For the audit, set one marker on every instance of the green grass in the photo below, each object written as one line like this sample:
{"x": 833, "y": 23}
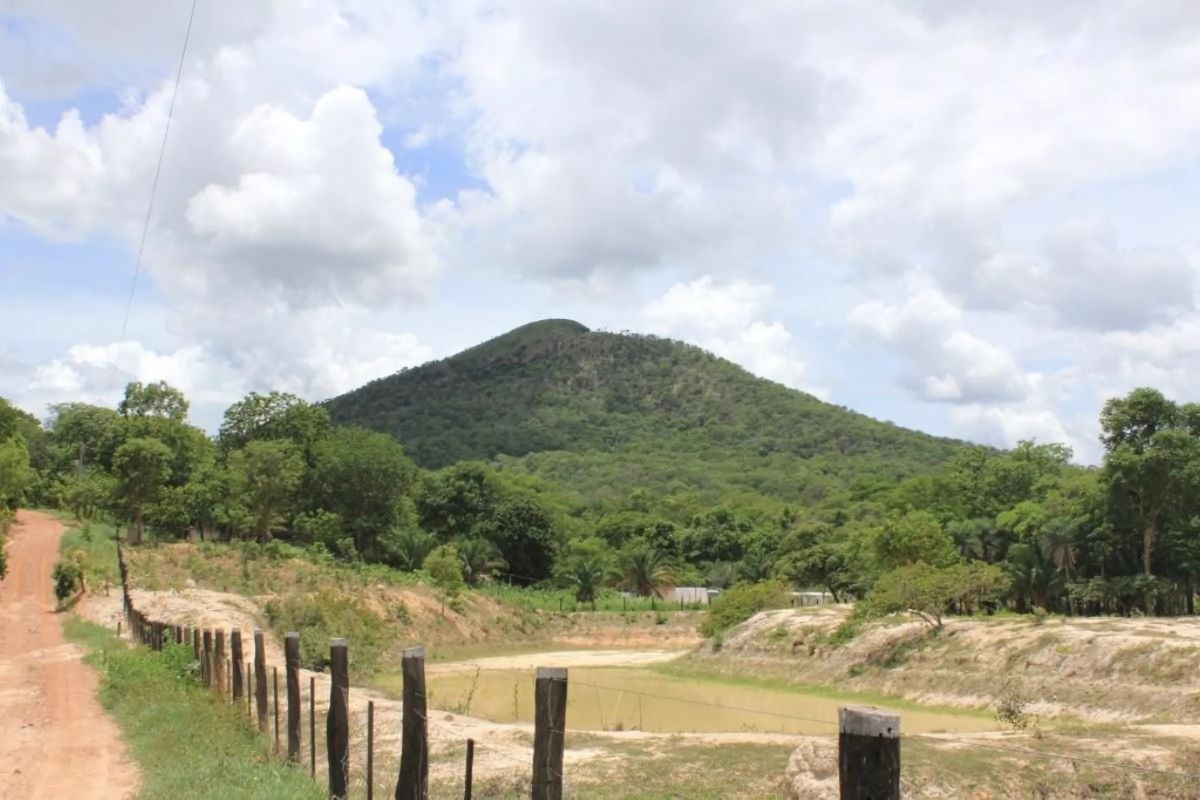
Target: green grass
{"x": 564, "y": 600}
{"x": 99, "y": 548}
{"x": 186, "y": 743}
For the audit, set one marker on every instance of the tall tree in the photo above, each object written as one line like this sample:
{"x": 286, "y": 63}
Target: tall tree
{"x": 268, "y": 474}
{"x": 362, "y": 476}
{"x": 153, "y": 400}
{"x": 277, "y": 415}
{"x": 1152, "y": 467}
{"x": 142, "y": 467}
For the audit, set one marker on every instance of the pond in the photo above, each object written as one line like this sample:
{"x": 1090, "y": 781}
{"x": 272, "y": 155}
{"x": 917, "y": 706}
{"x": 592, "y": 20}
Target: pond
{"x": 605, "y": 698}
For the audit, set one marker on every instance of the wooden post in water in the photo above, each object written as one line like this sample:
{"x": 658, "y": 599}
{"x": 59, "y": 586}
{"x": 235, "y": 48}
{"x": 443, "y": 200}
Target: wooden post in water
{"x": 868, "y": 753}
{"x": 470, "y": 769}
{"x": 337, "y": 721}
{"x": 413, "y": 783}
{"x": 370, "y": 750}
{"x": 549, "y": 726}
{"x": 219, "y": 662}
{"x": 235, "y": 655}
{"x": 206, "y": 658}
{"x": 260, "y": 679}
{"x": 291, "y": 657}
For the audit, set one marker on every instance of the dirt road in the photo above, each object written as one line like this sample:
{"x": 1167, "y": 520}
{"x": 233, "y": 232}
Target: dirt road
{"x": 55, "y": 740}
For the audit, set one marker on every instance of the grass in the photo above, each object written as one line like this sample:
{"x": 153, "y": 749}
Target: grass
{"x": 564, "y": 600}
{"x": 99, "y": 549}
{"x": 185, "y": 741}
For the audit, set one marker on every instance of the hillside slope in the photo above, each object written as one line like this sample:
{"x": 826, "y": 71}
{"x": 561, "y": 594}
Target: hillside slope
{"x": 636, "y": 410}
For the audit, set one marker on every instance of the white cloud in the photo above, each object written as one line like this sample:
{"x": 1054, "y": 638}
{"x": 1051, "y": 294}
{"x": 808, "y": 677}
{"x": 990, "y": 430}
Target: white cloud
{"x": 945, "y": 361}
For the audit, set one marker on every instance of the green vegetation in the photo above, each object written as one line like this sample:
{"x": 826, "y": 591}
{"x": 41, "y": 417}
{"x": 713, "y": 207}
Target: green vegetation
{"x": 598, "y": 460}
{"x": 186, "y": 742}
{"x": 741, "y": 602}
{"x": 326, "y": 615}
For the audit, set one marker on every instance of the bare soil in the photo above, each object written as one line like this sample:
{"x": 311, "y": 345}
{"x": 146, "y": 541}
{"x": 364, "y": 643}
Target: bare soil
{"x": 55, "y": 741}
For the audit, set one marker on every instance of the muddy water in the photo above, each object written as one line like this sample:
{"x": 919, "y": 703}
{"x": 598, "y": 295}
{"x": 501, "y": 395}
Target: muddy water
{"x": 640, "y": 699}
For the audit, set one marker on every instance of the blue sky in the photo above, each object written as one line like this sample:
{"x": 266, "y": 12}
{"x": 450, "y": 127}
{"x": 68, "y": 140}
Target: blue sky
{"x": 973, "y": 219}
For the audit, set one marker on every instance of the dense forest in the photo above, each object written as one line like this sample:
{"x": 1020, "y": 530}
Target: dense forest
{"x": 554, "y": 455}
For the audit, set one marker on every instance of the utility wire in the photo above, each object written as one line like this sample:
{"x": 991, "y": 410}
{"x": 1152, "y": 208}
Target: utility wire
{"x": 137, "y": 266}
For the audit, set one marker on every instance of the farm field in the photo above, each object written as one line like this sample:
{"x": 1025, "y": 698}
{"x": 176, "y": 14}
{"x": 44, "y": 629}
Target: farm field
{"x": 733, "y": 719}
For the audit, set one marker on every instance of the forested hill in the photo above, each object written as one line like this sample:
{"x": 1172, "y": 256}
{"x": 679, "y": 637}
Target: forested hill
{"x": 624, "y": 410}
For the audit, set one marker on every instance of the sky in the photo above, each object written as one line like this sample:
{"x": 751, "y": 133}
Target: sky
{"x": 976, "y": 219}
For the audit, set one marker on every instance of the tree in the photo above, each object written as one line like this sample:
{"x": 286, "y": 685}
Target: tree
{"x": 481, "y": 559}
{"x": 928, "y": 591}
{"x": 15, "y": 473}
{"x": 267, "y": 474}
{"x": 362, "y": 476}
{"x": 452, "y": 502}
{"x": 645, "y": 571}
{"x": 585, "y": 568}
{"x": 277, "y": 415}
{"x": 524, "y": 533}
{"x": 408, "y": 546}
{"x": 445, "y": 566}
{"x": 915, "y": 536}
{"x": 142, "y": 467}
{"x": 153, "y": 400}
{"x": 1152, "y": 465}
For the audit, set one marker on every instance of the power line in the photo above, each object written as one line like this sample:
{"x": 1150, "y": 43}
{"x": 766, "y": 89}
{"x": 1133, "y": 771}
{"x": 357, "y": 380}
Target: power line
{"x": 137, "y": 266}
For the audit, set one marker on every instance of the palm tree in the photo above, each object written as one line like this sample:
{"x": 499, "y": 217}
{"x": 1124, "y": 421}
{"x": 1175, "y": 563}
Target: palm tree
{"x": 646, "y": 571}
{"x": 409, "y": 547}
{"x": 585, "y": 569}
{"x": 481, "y": 559}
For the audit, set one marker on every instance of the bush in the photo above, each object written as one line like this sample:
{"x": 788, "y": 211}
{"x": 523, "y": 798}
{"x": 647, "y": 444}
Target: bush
{"x": 324, "y": 616}
{"x": 740, "y": 603}
{"x": 67, "y": 575}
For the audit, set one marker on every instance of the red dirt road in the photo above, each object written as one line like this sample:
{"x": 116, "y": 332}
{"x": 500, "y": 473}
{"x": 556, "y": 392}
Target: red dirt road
{"x": 55, "y": 740}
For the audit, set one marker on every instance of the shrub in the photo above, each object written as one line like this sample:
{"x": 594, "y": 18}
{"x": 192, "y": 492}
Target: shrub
{"x": 67, "y": 575}
{"x": 324, "y": 616}
{"x": 740, "y": 603}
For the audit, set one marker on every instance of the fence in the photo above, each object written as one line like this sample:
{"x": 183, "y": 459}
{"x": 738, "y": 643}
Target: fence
{"x": 869, "y": 739}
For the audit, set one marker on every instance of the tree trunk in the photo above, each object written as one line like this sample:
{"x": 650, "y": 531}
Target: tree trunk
{"x": 1148, "y": 536}
{"x": 135, "y": 530}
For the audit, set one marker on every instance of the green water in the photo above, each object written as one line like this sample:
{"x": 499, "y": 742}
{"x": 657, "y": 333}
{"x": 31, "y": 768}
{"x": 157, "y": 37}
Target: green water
{"x": 608, "y": 698}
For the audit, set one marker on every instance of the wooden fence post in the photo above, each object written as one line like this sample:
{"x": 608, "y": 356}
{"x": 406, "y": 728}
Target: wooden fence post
{"x": 196, "y": 644}
{"x": 470, "y": 769}
{"x": 235, "y": 655}
{"x": 249, "y": 694}
{"x": 275, "y": 689}
{"x": 549, "y": 725}
{"x": 206, "y": 661}
{"x": 337, "y": 721}
{"x": 413, "y": 783}
{"x": 291, "y": 662}
{"x": 370, "y": 750}
{"x": 868, "y": 754}
{"x": 219, "y": 662}
{"x": 260, "y": 679}
{"x": 312, "y": 726}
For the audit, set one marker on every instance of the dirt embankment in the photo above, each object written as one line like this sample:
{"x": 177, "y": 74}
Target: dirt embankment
{"x": 1098, "y": 669}
{"x": 55, "y": 740}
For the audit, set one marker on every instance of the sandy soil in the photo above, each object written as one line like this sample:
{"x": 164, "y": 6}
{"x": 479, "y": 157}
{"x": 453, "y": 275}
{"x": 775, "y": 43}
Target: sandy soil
{"x": 56, "y": 741}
